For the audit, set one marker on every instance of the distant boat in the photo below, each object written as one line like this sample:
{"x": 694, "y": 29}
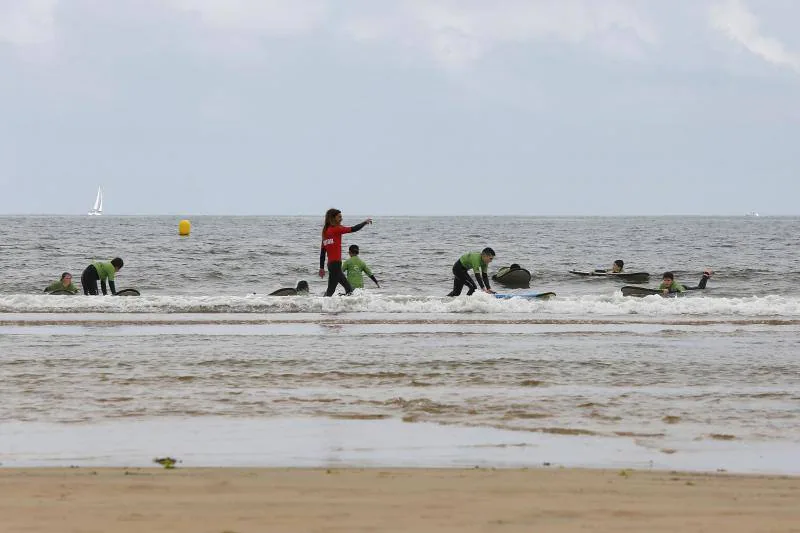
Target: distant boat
{"x": 98, "y": 203}
{"x": 752, "y": 214}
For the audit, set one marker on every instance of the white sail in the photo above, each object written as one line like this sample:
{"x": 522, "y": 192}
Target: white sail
{"x": 97, "y": 209}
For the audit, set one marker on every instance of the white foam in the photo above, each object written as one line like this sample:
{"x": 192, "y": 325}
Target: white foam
{"x": 363, "y": 302}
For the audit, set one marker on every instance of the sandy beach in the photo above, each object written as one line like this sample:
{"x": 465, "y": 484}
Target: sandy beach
{"x": 227, "y": 500}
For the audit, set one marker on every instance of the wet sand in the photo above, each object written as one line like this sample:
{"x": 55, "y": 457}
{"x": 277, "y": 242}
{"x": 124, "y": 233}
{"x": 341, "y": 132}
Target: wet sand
{"x": 234, "y": 500}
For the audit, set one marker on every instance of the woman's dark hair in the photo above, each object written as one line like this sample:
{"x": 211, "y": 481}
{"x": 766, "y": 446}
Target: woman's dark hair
{"x": 64, "y": 275}
{"x": 354, "y": 249}
{"x": 330, "y": 215}
{"x": 488, "y": 251}
{"x": 668, "y": 275}
{"x": 619, "y": 262}
{"x": 117, "y": 262}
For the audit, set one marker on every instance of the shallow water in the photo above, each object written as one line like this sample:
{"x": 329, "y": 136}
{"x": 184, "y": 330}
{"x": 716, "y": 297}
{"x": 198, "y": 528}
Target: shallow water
{"x": 313, "y": 442}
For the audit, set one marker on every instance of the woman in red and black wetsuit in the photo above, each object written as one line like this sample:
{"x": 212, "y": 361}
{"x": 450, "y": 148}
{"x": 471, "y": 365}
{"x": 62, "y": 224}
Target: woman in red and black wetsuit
{"x": 332, "y": 245}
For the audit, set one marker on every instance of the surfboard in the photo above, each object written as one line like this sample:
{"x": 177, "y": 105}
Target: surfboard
{"x": 286, "y": 291}
{"x": 628, "y": 290}
{"x": 527, "y": 295}
{"x": 300, "y": 290}
{"x": 640, "y": 292}
{"x": 588, "y": 273}
{"x": 630, "y": 277}
{"x": 128, "y": 292}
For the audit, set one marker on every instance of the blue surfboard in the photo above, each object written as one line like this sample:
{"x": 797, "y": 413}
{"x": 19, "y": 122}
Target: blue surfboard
{"x": 527, "y": 295}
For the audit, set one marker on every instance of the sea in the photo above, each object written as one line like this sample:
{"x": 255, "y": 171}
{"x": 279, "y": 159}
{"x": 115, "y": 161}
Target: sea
{"x": 208, "y": 368}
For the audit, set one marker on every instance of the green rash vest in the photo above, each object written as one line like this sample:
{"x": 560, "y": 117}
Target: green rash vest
{"x": 59, "y": 286}
{"x": 675, "y": 287}
{"x": 353, "y": 268}
{"x": 472, "y": 260}
{"x": 105, "y": 271}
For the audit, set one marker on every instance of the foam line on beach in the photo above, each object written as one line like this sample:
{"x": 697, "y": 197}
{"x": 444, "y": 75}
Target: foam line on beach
{"x": 577, "y": 306}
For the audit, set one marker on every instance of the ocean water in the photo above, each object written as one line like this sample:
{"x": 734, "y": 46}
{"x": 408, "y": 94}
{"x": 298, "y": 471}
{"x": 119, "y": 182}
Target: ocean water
{"x": 588, "y": 378}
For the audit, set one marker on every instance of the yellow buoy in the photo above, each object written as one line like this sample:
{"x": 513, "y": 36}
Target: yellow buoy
{"x": 184, "y": 227}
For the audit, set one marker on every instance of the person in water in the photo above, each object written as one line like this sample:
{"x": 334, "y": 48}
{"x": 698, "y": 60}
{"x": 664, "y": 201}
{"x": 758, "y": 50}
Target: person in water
{"x": 478, "y": 262}
{"x": 332, "y": 233}
{"x": 101, "y": 272}
{"x": 669, "y": 285}
{"x": 353, "y": 268}
{"x": 64, "y": 284}
{"x": 505, "y": 270}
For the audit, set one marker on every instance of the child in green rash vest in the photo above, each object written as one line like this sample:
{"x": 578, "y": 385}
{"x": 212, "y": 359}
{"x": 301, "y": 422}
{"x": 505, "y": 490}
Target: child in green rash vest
{"x": 64, "y": 284}
{"x": 101, "y": 272}
{"x": 353, "y": 268}
{"x": 478, "y": 262}
{"x": 669, "y": 285}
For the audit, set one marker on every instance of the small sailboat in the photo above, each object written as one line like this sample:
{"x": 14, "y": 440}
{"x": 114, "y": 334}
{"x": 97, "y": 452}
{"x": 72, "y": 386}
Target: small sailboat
{"x": 752, "y": 214}
{"x": 98, "y": 203}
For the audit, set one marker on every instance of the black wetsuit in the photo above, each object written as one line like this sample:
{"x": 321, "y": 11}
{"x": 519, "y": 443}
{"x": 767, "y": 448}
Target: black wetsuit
{"x": 701, "y": 285}
{"x": 461, "y": 277}
{"x": 335, "y": 277}
{"x": 89, "y": 279}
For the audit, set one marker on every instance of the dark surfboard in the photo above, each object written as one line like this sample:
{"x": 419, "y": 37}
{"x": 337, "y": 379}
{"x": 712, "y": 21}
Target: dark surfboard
{"x": 61, "y": 292}
{"x": 300, "y": 290}
{"x": 628, "y": 277}
{"x": 629, "y": 290}
{"x": 128, "y": 292}
{"x": 286, "y": 291}
{"x": 527, "y": 296}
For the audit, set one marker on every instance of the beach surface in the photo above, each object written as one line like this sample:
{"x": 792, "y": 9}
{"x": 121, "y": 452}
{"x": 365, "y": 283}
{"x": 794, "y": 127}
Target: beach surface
{"x": 239, "y": 500}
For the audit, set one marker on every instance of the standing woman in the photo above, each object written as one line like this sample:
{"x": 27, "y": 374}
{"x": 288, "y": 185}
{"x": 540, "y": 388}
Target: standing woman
{"x": 332, "y": 245}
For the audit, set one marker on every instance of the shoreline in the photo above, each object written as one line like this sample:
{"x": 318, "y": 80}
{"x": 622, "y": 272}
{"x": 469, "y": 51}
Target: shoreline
{"x": 238, "y": 500}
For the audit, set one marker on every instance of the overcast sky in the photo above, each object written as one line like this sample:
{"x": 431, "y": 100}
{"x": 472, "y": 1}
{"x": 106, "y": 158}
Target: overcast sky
{"x": 551, "y": 107}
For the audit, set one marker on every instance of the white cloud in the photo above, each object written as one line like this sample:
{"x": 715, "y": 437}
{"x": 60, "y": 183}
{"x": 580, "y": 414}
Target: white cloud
{"x": 457, "y": 33}
{"x": 452, "y": 32}
{"x": 26, "y": 22}
{"x": 735, "y": 20}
